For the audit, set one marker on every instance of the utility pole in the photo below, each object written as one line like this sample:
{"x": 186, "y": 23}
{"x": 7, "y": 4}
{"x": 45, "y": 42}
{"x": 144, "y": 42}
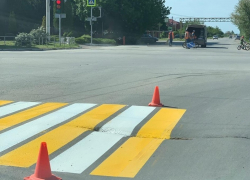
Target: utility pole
{"x": 91, "y": 22}
{"x": 48, "y": 17}
{"x": 92, "y": 3}
{"x": 60, "y": 29}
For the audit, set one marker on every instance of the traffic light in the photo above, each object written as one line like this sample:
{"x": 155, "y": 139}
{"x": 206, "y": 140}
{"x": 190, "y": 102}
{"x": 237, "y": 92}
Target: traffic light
{"x": 58, "y": 6}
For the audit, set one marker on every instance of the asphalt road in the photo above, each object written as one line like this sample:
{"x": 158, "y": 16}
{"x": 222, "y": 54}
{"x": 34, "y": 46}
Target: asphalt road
{"x": 210, "y": 141}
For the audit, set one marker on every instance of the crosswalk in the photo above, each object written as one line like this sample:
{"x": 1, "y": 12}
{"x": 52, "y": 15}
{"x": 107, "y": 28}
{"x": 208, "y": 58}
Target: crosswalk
{"x": 94, "y": 129}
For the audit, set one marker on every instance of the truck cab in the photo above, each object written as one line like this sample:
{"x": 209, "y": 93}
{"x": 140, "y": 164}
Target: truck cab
{"x": 200, "y": 33}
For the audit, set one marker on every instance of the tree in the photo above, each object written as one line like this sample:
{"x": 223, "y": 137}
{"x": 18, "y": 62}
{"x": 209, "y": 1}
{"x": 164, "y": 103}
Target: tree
{"x": 44, "y": 22}
{"x": 12, "y": 23}
{"x": 80, "y": 8}
{"x": 67, "y": 23}
{"x": 228, "y": 33}
{"x": 39, "y": 35}
{"x": 214, "y": 31}
{"x": 123, "y": 17}
{"x": 133, "y": 18}
{"x": 241, "y": 17}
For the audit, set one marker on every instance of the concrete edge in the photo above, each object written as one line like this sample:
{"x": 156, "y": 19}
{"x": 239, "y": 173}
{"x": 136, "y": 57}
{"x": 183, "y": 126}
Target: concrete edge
{"x": 32, "y": 49}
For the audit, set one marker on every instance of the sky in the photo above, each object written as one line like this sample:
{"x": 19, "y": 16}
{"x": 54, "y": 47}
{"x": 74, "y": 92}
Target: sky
{"x": 204, "y": 8}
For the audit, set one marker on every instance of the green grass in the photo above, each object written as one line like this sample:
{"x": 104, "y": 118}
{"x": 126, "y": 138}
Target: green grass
{"x": 85, "y": 39}
{"x": 11, "y": 45}
{"x": 8, "y": 43}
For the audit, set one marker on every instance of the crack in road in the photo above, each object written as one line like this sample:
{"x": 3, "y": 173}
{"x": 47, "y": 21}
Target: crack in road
{"x": 216, "y": 137}
{"x": 124, "y": 89}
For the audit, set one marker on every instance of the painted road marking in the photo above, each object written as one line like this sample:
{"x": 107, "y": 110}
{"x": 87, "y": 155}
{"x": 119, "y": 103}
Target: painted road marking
{"x": 161, "y": 124}
{"x": 26, "y": 155}
{"x": 96, "y": 116}
{"x": 129, "y": 158}
{"x": 3, "y": 102}
{"x": 126, "y": 161}
{"x": 11, "y": 108}
{"x": 80, "y": 156}
{"x": 125, "y": 123}
{"x": 23, "y": 116}
{"x": 23, "y": 132}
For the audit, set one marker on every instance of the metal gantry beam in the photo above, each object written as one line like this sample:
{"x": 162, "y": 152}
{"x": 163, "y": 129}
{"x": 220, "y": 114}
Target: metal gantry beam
{"x": 183, "y": 20}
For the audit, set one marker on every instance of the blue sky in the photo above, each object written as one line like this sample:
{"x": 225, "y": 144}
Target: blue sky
{"x": 204, "y": 8}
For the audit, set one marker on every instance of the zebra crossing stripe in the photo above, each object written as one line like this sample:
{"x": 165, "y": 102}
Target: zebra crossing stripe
{"x": 26, "y": 155}
{"x": 126, "y": 161}
{"x": 11, "y": 108}
{"x": 161, "y": 124}
{"x": 80, "y": 156}
{"x": 3, "y": 102}
{"x": 23, "y": 116}
{"x": 25, "y": 131}
{"x": 129, "y": 158}
{"x": 125, "y": 122}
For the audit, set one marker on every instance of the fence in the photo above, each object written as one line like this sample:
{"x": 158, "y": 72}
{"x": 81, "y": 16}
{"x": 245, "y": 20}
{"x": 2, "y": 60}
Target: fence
{"x": 49, "y": 41}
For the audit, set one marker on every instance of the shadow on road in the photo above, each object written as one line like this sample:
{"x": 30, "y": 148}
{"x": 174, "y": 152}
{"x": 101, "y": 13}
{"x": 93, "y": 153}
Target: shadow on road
{"x": 170, "y": 107}
{"x": 163, "y": 43}
{"x": 211, "y": 45}
{"x": 214, "y": 47}
{"x": 226, "y": 44}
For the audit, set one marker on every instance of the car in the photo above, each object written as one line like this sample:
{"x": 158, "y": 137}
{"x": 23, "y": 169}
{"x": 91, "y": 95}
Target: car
{"x": 147, "y": 38}
{"x": 237, "y": 37}
{"x": 215, "y": 37}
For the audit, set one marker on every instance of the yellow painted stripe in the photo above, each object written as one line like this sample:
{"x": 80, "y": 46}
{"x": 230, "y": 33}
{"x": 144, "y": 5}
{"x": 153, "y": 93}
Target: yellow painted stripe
{"x": 129, "y": 158}
{"x": 161, "y": 124}
{"x": 2, "y": 102}
{"x": 28, "y": 114}
{"x": 26, "y": 155}
{"x": 94, "y": 117}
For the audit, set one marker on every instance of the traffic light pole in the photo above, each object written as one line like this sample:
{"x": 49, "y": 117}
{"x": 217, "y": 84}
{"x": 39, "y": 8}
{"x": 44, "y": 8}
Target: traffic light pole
{"x": 60, "y": 29}
{"x": 48, "y": 17}
{"x": 91, "y": 25}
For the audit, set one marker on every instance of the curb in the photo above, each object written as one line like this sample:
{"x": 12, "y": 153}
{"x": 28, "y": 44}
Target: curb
{"x": 30, "y": 49}
{"x": 99, "y": 45}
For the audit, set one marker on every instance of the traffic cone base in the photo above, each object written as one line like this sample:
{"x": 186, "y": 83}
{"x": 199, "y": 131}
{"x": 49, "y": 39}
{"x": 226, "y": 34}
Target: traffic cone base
{"x": 43, "y": 171}
{"x": 52, "y": 177}
{"x": 156, "y": 98}
{"x": 156, "y": 105}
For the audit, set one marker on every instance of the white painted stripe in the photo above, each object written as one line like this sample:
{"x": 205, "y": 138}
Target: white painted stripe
{"x": 11, "y": 108}
{"x": 80, "y": 156}
{"x": 19, "y": 134}
{"x": 125, "y": 123}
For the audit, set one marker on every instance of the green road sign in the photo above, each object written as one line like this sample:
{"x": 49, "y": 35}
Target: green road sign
{"x": 170, "y": 28}
{"x": 91, "y": 2}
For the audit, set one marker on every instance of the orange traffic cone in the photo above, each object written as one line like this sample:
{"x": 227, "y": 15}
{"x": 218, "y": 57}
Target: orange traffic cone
{"x": 156, "y": 98}
{"x": 43, "y": 171}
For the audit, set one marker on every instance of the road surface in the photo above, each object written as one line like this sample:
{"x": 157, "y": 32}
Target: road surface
{"x": 90, "y": 105}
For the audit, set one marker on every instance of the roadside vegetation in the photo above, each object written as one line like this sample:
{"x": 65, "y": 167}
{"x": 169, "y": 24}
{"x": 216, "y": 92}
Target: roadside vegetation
{"x": 241, "y": 17}
{"x": 12, "y": 45}
{"x": 85, "y": 39}
{"x": 119, "y": 18}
